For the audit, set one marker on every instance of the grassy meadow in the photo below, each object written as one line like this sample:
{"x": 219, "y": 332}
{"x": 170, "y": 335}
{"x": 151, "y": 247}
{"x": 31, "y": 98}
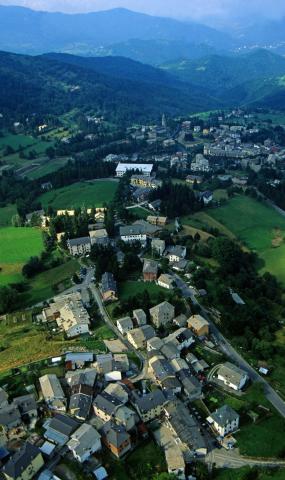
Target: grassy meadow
{"x": 6, "y": 214}
{"x": 17, "y": 246}
{"x": 89, "y": 194}
{"x": 258, "y": 226}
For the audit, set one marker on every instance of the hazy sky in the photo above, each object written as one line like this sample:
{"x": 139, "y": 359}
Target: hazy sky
{"x": 196, "y": 9}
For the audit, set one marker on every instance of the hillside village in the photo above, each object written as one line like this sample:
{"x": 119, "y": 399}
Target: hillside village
{"x": 165, "y": 375}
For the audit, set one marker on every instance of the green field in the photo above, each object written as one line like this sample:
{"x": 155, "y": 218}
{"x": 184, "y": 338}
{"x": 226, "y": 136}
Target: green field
{"x": 244, "y": 474}
{"x": 47, "y": 167}
{"x": 258, "y": 226}
{"x": 131, "y": 289}
{"x": 17, "y": 246}
{"x": 25, "y": 143}
{"x": 6, "y": 214}
{"x": 49, "y": 283}
{"x": 89, "y": 194}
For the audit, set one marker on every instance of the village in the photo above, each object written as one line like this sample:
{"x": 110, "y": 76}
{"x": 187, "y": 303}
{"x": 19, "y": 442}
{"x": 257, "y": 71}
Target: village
{"x": 166, "y": 375}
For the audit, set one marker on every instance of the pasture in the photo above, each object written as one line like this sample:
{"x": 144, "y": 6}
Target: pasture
{"x": 25, "y": 144}
{"x": 89, "y": 194}
{"x": 256, "y": 225}
{"x": 6, "y": 214}
{"x": 17, "y": 246}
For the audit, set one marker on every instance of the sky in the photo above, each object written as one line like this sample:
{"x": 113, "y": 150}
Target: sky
{"x": 192, "y": 9}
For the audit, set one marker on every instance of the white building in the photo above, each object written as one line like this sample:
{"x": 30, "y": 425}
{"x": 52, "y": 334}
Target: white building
{"x": 143, "y": 168}
{"x": 232, "y": 376}
{"x": 224, "y": 420}
{"x": 84, "y": 442}
{"x": 124, "y": 325}
{"x": 133, "y": 233}
{"x": 79, "y": 246}
{"x": 200, "y": 164}
{"x": 52, "y": 392}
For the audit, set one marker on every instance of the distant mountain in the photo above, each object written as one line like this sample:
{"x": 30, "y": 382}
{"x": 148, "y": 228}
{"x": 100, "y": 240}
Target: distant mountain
{"x": 155, "y": 52}
{"x": 118, "y": 88}
{"x": 32, "y": 32}
{"x": 220, "y": 73}
{"x": 264, "y": 32}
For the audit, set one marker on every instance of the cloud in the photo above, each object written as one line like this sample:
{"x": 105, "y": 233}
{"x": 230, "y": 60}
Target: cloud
{"x": 195, "y": 9}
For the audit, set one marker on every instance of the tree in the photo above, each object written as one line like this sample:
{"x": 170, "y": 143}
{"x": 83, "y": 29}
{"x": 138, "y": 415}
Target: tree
{"x": 9, "y": 298}
{"x": 164, "y": 476}
{"x": 17, "y": 221}
{"x": 32, "y": 267}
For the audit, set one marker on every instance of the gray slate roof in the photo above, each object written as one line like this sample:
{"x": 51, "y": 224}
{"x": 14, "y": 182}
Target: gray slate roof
{"x": 224, "y": 415}
{"x": 21, "y": 460}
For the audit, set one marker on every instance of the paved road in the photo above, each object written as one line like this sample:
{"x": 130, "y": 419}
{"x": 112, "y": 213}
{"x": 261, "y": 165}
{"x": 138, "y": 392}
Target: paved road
{"x": 230, "y": 352}
{"x": 108, "y": 321}
{"x": 232, "y": 459}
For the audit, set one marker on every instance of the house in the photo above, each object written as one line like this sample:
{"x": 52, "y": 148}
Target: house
{"x": 150, "y": 269}
{"x": 164, "y": 374}
{"x": 144, "y": 168}
{"x": 162, "y": 314}
{"x": 224, "y": 420}
{"x": 119, "y": 391}
{"x": 80, "y": 401}
{"x": 27, "y": 406}
{"x": 84, "y": 442}
{"x": 133, "y": 233}
{"x": 180, "y": 266}
{"x": 149, "y": 405}
{"x": 145, "y": 181}
{"x": 156, "y": 220}
{"x": 138, "y": 337}
{"x": 116, "y": 439}
{"x": 10, "y": 417}
{"x": 126, "y": 417}
{"x": 140, "y": 317}
{"x": 59, "y": 429}
{"x": 85, "y": 376}
{"x": 73, "y": 317}
{"x": 24, "y": 464}
{"x": 149, "y": 229}
{"x": 77, "y": 360}
{"x": 181, "y": 338}
{"x": 185, "y": 427}
{"x": 158, "y": 246}
{"x": 178, "y": 364}
{"x": 99, "y": 237}
{"x": 200, "y": 164}
{"x": 206, "y": 197}
{"x": 192, "y": 388}
{"x": 232, "y": 376}
{"x": 3, "y": 398}
{"x": 180, "y": 321}
{"x": 109, "y": 288}
{"x": 121, "y": 362}
{"x": 104, "y": 363}
{"x": 105, "y": 406}
{"x": 169, "y": 351}
{"x": 37, "y": 217}
{"x": 141, "y": 194}
{"x": 52, "y": 392}
{"x": 173, "y": 453}
{"x": 124, "y": 325}
{"x": 176, "y": 253}
{"x": 79, "y": 246}
{"x": 166, "y": 281}
{"x": 155, "y": 205}
{"x": 199, "y": 325}
{"x": 154, "y": 343}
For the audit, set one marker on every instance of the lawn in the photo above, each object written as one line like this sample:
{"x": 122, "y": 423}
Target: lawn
{"x": 27, "y": 143}
{"x": 131, "y": 289}
{"x": 89, "y": 194}
{"x": 17, "y": 246}
{"x": 50, "y": 283}
{"x": 47, "y": 167}
{"x": 265, "y": 438}
{"x": 23, "y": 342}
{"x": 6, "y": 214}
{"x": 258, "y": 226}
{"x": 244, "y": 474}
{"x": 140, "y": 213}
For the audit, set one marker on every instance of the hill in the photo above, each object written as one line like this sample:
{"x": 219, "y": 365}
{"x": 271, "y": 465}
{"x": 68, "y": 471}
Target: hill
{"x": 26, "y": 31}
{"x": 154, "y": 52}
{"x": 119, "y": 88}
{"x": 219, "y": 72}
{"x": 255, "y": 79}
